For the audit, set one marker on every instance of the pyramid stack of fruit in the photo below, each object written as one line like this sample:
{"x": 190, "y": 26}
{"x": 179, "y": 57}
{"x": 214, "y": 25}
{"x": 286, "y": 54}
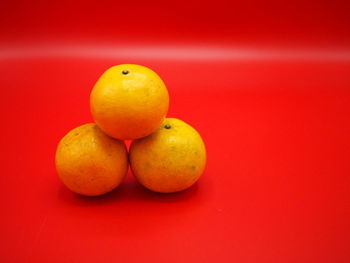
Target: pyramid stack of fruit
{"x": 130, "y": 102}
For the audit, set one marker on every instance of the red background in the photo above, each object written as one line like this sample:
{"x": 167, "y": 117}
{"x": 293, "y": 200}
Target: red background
{"x": 266, "y": 83}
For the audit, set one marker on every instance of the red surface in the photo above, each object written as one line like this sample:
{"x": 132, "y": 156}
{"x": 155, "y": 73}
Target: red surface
{"x": 272, "y": 101}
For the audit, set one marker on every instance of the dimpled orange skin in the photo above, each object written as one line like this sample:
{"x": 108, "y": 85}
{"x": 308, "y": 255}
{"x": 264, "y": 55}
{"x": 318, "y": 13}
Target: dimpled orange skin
{"x": 169, "y": 160}
{"x": 89, "y": 162}
{"x": 129, "y": 101}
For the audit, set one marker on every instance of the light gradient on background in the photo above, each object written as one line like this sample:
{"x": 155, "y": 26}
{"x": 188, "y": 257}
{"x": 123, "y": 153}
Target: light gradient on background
{"x": 266, "y": 83}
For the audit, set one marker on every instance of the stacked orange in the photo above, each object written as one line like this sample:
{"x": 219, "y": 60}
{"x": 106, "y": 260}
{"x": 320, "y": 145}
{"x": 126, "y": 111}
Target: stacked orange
{"x": 130, "y": 102}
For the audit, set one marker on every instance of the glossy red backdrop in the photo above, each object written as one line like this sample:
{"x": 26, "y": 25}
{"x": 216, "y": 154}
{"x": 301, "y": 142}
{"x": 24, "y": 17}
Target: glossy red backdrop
{"x": 265, "y": 82}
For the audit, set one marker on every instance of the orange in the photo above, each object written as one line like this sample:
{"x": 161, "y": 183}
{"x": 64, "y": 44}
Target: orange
{"x": 89, "y": 162}
{"x": 170, "y": 159}
{"x": 129, "y": 101}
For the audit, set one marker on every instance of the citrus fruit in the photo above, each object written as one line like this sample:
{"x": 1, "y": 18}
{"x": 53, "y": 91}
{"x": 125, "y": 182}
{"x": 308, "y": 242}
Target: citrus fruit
{"x": 170, "y": 159}
{"x": 129, "y": 101}
{"x": 89, "y": 162}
